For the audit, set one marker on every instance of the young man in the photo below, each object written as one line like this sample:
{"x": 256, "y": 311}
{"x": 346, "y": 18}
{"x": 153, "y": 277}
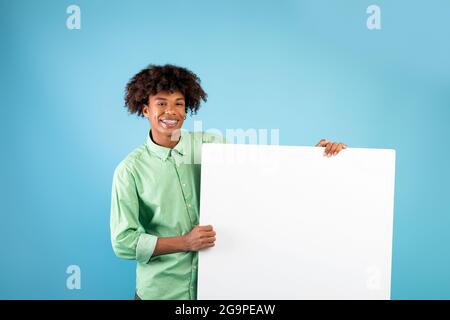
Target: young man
{"x": 156, "y": 188}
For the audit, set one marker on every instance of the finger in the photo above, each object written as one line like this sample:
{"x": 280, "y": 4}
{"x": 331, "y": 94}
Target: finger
{"x": 344, "y": 146}
{"x": 206, "y": 228}
{"x": 210, "y": 240}
{"x": 207, "y": 245}
{"x": 338, "y": 149}
{"x": 208, "y": 234}
{"x": 328, "y": 148}
{"x": 333, "y": 148}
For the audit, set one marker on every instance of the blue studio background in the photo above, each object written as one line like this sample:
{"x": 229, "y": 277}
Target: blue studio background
{"x": 310, "y": 68}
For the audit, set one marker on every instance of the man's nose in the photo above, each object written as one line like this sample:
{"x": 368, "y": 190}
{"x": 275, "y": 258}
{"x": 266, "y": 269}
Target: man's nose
{"x": 170, "y": 109}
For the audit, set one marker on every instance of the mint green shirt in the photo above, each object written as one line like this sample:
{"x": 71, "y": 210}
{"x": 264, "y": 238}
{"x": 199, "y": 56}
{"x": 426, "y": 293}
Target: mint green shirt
{"x": 156, "y": 193}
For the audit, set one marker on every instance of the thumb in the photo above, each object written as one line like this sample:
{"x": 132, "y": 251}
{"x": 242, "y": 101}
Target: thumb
{"x": 322, "y": 143}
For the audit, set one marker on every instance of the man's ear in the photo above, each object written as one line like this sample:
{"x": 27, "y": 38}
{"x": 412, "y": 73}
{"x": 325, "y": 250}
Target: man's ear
{"x": 145, "y": 111}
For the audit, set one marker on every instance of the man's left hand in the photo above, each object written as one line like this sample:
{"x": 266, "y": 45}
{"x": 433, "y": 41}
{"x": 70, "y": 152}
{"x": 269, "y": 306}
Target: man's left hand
{"x": 331, "y": 148}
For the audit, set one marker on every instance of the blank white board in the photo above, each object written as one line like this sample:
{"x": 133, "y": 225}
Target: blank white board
{"x": 293, "y": 224}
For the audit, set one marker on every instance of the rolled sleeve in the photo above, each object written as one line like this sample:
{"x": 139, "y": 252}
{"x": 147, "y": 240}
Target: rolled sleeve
{"x": 128, "y": 237}
{"x": 145, "y": 247}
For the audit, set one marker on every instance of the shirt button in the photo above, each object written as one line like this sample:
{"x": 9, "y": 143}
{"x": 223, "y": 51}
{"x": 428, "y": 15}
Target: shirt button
{"x": 189, "y": 205}
{"x": 183, "y": 184}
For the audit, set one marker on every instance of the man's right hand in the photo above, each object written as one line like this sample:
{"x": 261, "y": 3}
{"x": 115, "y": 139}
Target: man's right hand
{"x": 200, "y": 237}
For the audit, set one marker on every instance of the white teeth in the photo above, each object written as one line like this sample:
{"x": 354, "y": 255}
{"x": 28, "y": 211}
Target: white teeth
{"x": 169, "y": 121}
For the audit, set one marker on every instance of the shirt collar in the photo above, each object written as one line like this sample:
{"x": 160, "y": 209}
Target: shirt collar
{"x": 164, "y": 152}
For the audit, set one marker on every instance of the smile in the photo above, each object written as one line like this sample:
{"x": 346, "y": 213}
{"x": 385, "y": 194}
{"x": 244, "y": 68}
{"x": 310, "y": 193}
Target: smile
{"x": 168, "y": 123}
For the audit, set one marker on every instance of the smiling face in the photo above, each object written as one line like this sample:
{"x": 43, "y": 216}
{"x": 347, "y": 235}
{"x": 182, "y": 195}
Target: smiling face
{"x": 166, "y": 112}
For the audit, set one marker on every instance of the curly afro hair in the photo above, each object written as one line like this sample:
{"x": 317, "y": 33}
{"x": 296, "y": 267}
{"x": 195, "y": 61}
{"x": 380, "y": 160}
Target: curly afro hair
{"x": 154, "y": 79}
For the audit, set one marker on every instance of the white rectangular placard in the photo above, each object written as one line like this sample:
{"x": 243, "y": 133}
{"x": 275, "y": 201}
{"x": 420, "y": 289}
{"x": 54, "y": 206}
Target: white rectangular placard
{"x": 293, "y": 224}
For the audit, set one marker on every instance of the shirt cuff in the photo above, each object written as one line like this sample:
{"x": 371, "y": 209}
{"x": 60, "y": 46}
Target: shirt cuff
{"x": 145, "y": 247}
